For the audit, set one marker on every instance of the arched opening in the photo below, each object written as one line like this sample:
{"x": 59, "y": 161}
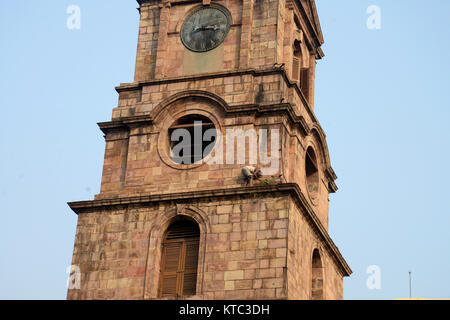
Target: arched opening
{"x": 296, "y": 63}
{"x": 300, "y": 68}
{"x": 317, "y": 277}
{"x": 179, "y": 261}
{"x": 191, "y": 139}
{"x": 312, "y": 173}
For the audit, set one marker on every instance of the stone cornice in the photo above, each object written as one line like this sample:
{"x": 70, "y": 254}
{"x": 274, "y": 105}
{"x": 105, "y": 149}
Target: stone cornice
{"x": 223, "y": 74}
{"x": 313, "y": 29}
{"x": 331, "y": 174}
{"x": 314, "y": 23}
{"x": 141, "y": 2}
{"x": 332, "y": 186}
{"x": 290, "y": 188}
{"x": 124, "y": 123}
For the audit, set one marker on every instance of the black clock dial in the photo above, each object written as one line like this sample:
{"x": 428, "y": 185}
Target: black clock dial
{"x": 205, "y": 29}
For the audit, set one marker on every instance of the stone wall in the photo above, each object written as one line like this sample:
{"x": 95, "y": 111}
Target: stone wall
{"x": 242, "y": 248}
{"x": 303, "y": 239}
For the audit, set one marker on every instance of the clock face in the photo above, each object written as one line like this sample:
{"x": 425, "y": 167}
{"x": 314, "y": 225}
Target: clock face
{"x": 205, "y": 29}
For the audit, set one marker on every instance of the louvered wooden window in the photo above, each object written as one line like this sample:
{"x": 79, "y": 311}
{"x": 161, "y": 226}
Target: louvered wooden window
{"x": 300, "y": 73}
{"x": 297, "y": 64}
{"x": 304, "y": 83}
{"x": 180, "y": 260}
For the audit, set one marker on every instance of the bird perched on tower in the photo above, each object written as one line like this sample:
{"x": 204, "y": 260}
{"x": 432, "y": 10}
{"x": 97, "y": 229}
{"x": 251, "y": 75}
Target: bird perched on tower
{"x": 251, "y": 173}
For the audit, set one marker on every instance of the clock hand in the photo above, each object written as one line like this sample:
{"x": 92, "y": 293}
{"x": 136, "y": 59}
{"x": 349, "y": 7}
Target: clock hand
{"x": 204, "y": 28}
{"x": 197, "y": 28}
{"x": 211, "y": 27}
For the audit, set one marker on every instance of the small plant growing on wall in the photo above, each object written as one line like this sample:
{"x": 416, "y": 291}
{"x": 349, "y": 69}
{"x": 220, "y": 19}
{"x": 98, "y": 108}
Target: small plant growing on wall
{"x": 270, "y": 181}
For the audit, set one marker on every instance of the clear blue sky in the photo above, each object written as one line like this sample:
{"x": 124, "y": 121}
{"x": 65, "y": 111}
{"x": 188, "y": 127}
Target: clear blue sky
{"x": 382, "y": 97}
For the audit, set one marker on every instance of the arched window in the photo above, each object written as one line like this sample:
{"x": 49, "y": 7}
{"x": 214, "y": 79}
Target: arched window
{"x": 317, "y": 277}
{"x": 312, "y": 173}
{"x": 191, "y": 139}
{"x": 300, "y": 67}
{"x": 180, "y": 259}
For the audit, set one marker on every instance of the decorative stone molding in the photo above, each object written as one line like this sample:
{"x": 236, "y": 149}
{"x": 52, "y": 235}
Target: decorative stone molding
{"x": 215, "y": 75}
{"x": 209, "y": 97}
{"x": 156, "y": 236}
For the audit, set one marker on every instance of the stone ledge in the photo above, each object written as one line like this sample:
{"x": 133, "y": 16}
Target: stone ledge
{"x": 261, "y": 108}
{"x": 290, "y": 188}
{"x": 223, "y": 74}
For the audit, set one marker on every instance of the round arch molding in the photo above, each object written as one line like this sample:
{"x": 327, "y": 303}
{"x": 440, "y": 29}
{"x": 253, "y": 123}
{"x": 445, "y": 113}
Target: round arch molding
{"x": 317, "y": 274}
{"x": 211, "y": 98}
{"x": 317, "y": 137}
{"x": 187, "y": 103}
{"x": 154, "y": 252}
{"x": 316, "y": 132}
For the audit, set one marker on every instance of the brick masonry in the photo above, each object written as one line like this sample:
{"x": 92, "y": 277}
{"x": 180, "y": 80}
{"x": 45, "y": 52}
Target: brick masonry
{"x": 256, "y": 242}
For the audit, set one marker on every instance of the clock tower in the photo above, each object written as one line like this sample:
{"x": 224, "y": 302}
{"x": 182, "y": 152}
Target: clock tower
{"x": 216, "y": 176}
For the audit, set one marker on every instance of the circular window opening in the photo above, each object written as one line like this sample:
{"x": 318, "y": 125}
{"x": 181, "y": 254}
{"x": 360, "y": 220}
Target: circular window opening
{"x": 312, "y": 174}
{"x": 191, "y": 139}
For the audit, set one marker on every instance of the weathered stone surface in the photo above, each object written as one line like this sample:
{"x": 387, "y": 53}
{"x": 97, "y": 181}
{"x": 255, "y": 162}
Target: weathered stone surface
{"x": 255, "y": 242}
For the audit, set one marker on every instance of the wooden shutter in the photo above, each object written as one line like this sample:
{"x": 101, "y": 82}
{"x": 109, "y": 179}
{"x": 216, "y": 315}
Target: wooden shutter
{"x": 296, "y": 69}
{"x": 190, "y": 268}
{"x": 180, "y": 260}
{"x": 304, "y": 83}
{"x": 170, "y": 268}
